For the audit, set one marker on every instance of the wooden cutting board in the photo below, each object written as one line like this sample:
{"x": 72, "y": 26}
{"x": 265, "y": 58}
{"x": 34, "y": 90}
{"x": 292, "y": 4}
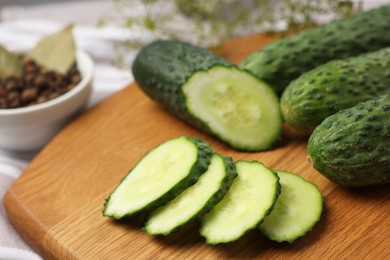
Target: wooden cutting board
{"x": 56, "y": 204}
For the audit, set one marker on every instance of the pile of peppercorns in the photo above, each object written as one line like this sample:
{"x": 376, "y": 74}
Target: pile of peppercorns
{"x": 35, "y": 86}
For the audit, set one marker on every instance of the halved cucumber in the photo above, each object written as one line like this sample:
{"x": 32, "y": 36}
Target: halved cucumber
{"x": 159, "y": 176}
{"x": 208, "y": 92}
{"x": 235, "y": 106}
{"x": 195, "y": 201}
{"x": 249, "y": 199}
{"x": 296, "y": 211}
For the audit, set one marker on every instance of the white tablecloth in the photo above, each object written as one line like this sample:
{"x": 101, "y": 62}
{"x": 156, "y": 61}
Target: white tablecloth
{"x": 29, "y": 24}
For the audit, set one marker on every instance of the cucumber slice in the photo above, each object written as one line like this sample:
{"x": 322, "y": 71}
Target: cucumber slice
{"x": 248, "y": 201}
{"x": 159, "y": 176}
{"x": 195, "y": 201}
{"x": 296, "y": 211}
{"x": 236, "y": 107}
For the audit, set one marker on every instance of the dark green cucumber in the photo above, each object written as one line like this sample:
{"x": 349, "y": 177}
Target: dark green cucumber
{"x": 352, "y": 147}
{"x": 210, "y": 93}
{"x": 159, "y": 177}
{"x": 195, "y": 201}
{"x": 286, "y": 59}
{"x": 339, "y": 84}
{"x": 249, "y": 199}
{"x": 296, "y": 211}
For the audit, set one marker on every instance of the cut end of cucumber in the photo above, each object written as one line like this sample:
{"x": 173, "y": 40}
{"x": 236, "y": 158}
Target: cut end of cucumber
{"x": 297, "y": 209}
{"x": 236, "y": 107}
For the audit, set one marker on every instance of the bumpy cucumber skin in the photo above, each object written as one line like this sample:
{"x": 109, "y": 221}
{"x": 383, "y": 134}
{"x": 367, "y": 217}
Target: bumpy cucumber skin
{"x": 162, "y": 67}
{"x": 226, "y": 182}
{"x": 304, "y": 230}
{"x": 352, "y": 147}
{"x": 339, "y": 84}
{"x": 200, "y": 166}
{"x": 284, "y": 60}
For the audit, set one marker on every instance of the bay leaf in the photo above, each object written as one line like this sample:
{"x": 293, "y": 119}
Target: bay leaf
{"x": 10, "y": 64}
{"x": 57, "y": 51}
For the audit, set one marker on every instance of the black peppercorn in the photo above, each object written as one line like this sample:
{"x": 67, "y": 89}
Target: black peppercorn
{"x": 36, "y": 85}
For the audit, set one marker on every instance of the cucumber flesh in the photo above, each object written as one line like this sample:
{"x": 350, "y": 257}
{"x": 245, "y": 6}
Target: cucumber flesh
{"x": 159, "y": 176}
{"x": 296, "y": 211}
{"x": 236, "y": 107}
{"x": 195, "y": 201}
{"x": 248, "y": 201}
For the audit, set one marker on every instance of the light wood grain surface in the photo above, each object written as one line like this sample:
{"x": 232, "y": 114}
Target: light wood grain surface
{"x": 56, "y": 204}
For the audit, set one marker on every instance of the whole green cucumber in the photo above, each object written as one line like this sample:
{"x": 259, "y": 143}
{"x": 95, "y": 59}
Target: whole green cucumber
{"x": 339, "y": 84}
{"x": 352, "y": 147}
{"x": 210, "y": 93}
{"x": 284, "y": 60}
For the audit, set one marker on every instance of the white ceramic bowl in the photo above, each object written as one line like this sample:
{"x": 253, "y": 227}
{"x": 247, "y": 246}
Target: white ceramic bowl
{"x": 30, "y": 128}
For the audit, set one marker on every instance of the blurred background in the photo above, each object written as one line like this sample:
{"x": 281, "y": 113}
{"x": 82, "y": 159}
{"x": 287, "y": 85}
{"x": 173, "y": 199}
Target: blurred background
{"x": 128, "y": 24}
{"x": 82, "y": 11}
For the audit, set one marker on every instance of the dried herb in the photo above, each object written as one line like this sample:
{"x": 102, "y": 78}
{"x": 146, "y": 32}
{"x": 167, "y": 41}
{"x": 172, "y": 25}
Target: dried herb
{"x": 10, "y": 64}
{"x": 57, "y": 51}
{"x": 47, "y": 72}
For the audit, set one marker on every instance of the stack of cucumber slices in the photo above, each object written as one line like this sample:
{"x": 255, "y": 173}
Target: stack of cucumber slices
{"x": 183, "y": 180}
